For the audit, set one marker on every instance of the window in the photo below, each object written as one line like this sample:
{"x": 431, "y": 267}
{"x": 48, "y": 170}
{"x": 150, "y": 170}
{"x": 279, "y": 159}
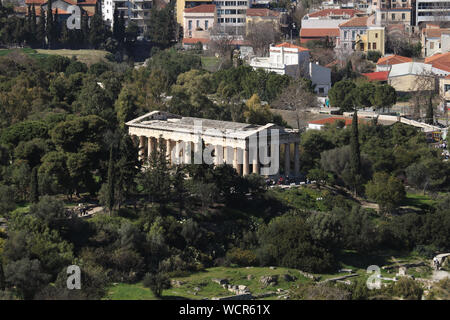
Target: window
{"x": 403, "y": 16}
{"x": 368, "y": 46}
{"x": 321, "y": 90}
{"x": 393, "y": 16}
{"x": 361, "y": 46}
{"x": 198, "y": 23}
{"x": 190, "y": 25}
{"x": 353, "y": 35}
{"x": 447, "y": 87}
{"x": 383, "y": 16}
{"x": 206, "y": 24}
{"x": 431, "y": 45}
{"x": 376, "y": 35}
{"x": 374, "y": 46}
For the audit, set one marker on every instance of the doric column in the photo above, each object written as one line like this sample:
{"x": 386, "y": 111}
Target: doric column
{"x": 150, "y": 147}
{"x": 296, "y": 159}
{"x": 236, "y": 162}
{"x": 168, "y": 150}
{"x": 198, "y": 152}
{"x": 218, "y": 155}
{"x": 187, "y": 152}
{"x": 228, "y": 152}
{"x": 287, "y": 158}
{"x": 177, "y": 158}
{"x": 245, "y": 165}
{"x": 255, "y": 164}
{"x": 141, "y": 147}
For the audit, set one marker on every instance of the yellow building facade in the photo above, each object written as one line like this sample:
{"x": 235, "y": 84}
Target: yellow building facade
{"x": 372, "y": 40}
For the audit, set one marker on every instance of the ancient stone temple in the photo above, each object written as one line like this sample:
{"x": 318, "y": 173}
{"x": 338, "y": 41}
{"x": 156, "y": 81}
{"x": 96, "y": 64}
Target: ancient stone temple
{"x": 249, "y": 148}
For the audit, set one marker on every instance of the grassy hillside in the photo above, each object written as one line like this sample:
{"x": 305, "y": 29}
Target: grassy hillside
{"x": 199, "y": 285}
{"x": 86, "y": 56}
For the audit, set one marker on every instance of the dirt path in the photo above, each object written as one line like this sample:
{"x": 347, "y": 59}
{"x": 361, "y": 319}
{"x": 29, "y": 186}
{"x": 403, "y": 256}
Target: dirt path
{"x": 91, "y": 212}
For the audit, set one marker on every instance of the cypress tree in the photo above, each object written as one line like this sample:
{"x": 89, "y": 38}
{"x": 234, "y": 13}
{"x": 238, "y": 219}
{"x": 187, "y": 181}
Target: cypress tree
{"x": 41, "y": 30}
{"x": 84, "y": 28}
{"x": 34, "y": 191}
{"x": 110, "y": 184}
{"x": 355, "y": 156}
{"x": 33, "y": 24}
{"x": 115, "y": 26}
{"x": 64, "y": 37}
{"x": 97, "y": 34}
{"x": 121, "y": 28}
{"x": 49, "y": 29}
{"x": 28, "y": 25}
{"x": 430, "y": 113}
{"x": 56, "y": 32}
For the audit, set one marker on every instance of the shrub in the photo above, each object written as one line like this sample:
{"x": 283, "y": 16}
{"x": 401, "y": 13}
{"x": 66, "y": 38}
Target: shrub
{"x": 156, "y": 282}
{"x": 241, "y": 257}
{"x": 408, "y": 289}
{"x": 286, "y": 241}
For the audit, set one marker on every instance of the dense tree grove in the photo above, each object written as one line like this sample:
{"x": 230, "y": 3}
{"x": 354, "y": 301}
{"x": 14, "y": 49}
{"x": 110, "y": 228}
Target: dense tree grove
{"x": 347, "y": 95}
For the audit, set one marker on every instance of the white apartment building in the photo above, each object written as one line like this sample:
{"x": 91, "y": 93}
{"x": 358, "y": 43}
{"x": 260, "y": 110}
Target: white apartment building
{"x": 137, "y": 11}
{"x": 292, "y": 60}
{"x": 432, "y": 11}
{"x": 231, "y": 16}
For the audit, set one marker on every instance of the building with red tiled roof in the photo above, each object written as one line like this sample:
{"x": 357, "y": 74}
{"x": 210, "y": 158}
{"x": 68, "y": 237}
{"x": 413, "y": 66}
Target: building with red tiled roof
{"x": 439, "y": 61}
{"x": 195, "y": 40}
{"x": 381, "y": 76}
{"x": 61, "y": 6}
{"x": 435, "y": 40}
{"x": 335, "y": 13}
{"x": 393, "y": 59}
{"x": 355, "y": 22}
{"x": 199, "y": 20}
{"x": 324, "y": 23}
{"x": 361, "y": 34}
{"x": 439, "y": 57}
{"x": 319, "y": 124}
{"x": 290, "y": 45}
{"x": 318, "y": 34}
{"x": 203, "y": 8}
{"x": 385, "y": 63}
